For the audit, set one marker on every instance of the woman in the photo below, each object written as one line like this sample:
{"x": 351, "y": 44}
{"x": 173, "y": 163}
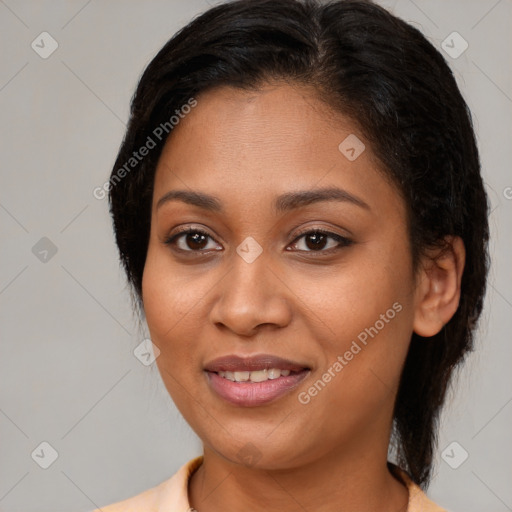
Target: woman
{"x": 299, "y": 210}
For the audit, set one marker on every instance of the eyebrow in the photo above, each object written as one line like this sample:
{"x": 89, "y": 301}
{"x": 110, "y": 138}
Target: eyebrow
{"x": 282, "y": 204}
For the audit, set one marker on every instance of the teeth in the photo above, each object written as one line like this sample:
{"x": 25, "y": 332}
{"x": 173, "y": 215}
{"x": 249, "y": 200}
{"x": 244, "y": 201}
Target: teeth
{"x": 255, "y": 376}
{"x": 259, "y": 376}
{"x": 274, "y": 374}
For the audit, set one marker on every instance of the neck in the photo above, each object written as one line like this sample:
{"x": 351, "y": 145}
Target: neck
{"x": 347, "y": 479}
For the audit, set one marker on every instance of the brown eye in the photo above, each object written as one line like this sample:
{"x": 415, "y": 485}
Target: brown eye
{"x": 318, "y": 241}
{"x": 196, "y": 241}
{"x": 315, "y": 241}
{"x": 190, "y": 240}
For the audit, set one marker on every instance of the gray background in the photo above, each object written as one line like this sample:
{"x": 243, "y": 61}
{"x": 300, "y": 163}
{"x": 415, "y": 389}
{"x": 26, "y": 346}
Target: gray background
{"x": 68, "y": 373}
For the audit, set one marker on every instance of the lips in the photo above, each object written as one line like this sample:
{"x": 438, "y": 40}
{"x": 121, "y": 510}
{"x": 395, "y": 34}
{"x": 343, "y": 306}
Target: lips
{"x": 235, "y": 363}
{"x": 254, "y": 381}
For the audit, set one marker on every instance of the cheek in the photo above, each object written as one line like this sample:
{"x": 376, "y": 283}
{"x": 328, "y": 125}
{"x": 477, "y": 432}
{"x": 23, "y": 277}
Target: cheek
{"x": 368, "y": 310}
{"x": 171, "y": 304}
{"x": 171, "y": 293}
{"x": 169, "y": 310}
{"x": 354, "y": 296}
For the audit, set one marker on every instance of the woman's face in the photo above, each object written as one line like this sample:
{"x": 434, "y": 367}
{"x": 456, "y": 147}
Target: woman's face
{"x": 255, "y": 278}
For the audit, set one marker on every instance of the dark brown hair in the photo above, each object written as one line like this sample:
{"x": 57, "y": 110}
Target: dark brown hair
{"x": 383, "y": 74}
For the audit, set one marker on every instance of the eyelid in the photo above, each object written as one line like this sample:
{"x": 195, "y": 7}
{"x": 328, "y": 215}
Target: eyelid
{"x": 319, "y": 229}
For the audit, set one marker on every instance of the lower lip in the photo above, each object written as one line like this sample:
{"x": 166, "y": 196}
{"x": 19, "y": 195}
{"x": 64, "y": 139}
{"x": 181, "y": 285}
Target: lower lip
{"x": 252, "y": 394}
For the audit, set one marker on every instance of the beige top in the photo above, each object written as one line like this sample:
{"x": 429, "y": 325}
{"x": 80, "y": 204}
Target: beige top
{"x": 172, "y": 495}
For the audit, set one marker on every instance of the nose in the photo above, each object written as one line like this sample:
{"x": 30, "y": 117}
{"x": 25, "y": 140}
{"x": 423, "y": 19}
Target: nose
{"x": 250, "y": 296}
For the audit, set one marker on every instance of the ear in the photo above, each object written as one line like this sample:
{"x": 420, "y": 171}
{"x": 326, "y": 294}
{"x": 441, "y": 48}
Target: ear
{"x": 437, "y": 292}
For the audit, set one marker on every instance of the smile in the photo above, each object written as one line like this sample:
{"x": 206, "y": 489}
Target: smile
{"x": 254, "y": 376}
{"x": 255, "y": 388}
{"x": 251, "y": 381}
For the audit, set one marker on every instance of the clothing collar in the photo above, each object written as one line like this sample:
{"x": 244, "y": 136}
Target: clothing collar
{"x": 172, "y": 494}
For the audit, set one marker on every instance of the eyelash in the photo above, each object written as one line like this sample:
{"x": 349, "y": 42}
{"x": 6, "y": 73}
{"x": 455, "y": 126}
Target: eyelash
{"x": 342, "y": 241}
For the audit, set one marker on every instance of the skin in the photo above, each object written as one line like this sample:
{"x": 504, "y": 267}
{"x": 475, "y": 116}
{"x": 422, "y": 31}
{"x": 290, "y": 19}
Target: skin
{"x": 302, "y": 304}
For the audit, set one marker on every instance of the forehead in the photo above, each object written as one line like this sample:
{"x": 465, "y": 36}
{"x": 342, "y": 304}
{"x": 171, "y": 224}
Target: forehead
{"x": 282, "y": 119}
{"x": 272, "y": 140}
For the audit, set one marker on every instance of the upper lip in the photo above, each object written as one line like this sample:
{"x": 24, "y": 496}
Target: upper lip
{"x": 259, "y": 362}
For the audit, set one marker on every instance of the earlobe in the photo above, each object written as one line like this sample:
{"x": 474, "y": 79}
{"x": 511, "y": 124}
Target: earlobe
{"x": 439, "y": 286}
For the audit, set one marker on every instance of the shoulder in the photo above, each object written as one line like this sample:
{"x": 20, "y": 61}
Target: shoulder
{"x": 146, "y": 501}
{"x": 418, "y": 500}
{"x": 171, "y": 494}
